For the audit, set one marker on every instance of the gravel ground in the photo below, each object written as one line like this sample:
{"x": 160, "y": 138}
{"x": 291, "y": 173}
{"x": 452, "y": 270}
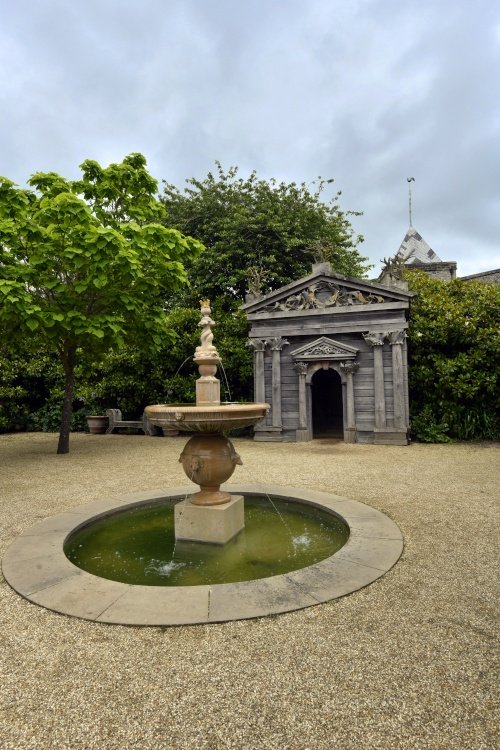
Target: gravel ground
{"x": 408, "y": 662}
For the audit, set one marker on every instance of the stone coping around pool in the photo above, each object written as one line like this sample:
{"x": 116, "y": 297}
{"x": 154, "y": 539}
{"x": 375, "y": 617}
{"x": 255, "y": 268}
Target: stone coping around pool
{"x": 36, "y": 567}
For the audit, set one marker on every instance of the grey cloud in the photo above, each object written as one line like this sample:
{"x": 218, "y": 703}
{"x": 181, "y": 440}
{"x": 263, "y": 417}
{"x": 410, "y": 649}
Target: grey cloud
{"x": 367, "y": 92}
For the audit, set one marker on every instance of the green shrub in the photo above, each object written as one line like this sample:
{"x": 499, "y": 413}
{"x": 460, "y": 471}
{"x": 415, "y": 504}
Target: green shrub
{"x": 28, "y": 376}
{"x": 454, "y": 359}
{"x": 48, "y": 418}
{"x": 425, "y": 428}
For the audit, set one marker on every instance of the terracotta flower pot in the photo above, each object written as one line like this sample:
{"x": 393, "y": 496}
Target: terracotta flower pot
{"x": 97, "y": 424}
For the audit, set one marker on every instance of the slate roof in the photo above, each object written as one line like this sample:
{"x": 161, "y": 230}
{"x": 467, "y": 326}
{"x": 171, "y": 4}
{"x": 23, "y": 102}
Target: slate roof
{"x": 416, "y": 250}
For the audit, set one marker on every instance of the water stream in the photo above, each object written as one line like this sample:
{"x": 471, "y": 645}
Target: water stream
{"x": 227, "y": 390}
{"x": 168, "y": 390}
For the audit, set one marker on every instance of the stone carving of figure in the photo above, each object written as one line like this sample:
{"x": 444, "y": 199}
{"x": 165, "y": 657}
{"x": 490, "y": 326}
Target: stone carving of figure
{"x": 207, "y": 349}
{"x": 325, "y": 294}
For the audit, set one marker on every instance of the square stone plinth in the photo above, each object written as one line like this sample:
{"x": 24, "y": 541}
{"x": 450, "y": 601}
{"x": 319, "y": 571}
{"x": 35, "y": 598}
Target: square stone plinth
{"x": 214, "y": 524}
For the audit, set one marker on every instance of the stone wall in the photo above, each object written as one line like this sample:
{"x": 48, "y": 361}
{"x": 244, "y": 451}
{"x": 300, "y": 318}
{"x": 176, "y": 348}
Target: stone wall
{"x": 446, "y": 270}
{"x": 487, "y": 277}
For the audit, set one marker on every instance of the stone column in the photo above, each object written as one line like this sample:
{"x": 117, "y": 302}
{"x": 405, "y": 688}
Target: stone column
{"x": 349, "y": 368}
{"x": 276, "y": 345}
{"x": 376, "y": 340}
{"x": 396, "y": 340}
{"x": 302, "y": 433}
{"x": 258, "y": 346}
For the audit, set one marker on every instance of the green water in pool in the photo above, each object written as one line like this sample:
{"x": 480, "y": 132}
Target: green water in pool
{"x": 137, "y": 545}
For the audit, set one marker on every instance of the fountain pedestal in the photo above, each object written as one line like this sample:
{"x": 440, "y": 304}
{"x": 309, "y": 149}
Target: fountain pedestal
{"x": 213, "y": 524}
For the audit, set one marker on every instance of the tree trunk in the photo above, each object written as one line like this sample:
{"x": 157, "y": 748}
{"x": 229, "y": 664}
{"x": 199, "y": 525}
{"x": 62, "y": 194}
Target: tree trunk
{"x": 69, "y": 361}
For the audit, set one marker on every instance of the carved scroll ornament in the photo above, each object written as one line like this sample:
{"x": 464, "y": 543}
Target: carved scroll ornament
{"x": 349, "y": 367}
{"x": 276, "y": 344}
{"x": 325, "y": 294}
{"x": 396, "y": 337}
{"x": 375, "y": 339}
{"x": 258, "y": 345}
{"x": 325, "y": 349}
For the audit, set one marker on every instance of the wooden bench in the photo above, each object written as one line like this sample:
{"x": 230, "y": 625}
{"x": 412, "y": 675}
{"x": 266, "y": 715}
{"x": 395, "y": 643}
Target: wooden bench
{"x": 116, "y": 422}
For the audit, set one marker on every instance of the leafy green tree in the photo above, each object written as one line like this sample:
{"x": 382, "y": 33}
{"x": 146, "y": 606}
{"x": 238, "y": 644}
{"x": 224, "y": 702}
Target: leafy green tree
{"x": 88, "y": 264}
{"x": 454, "y": 359}
{"x": 259, "y": 231}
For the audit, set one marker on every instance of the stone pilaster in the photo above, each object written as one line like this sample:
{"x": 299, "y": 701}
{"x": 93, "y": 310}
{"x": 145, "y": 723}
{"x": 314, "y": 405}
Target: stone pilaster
{"x": 276, "y": 345}
{"x": 263, "y": 431}
{"x": 303, "y": 432}
{"x": 396, "y": 340}
{"x": 258, "y": 346}
{"x": 376, "y": 340}
{"x": 349, "y": 368}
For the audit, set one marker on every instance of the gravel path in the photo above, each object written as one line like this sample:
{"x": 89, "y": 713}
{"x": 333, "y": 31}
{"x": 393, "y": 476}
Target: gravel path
{"x": 409, "y": 662}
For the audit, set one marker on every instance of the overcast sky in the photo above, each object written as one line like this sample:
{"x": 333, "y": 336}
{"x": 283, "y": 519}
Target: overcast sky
{"x": 368, "y": 92}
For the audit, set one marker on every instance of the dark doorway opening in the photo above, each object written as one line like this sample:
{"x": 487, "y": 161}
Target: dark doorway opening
{"x": 327, "y": 411}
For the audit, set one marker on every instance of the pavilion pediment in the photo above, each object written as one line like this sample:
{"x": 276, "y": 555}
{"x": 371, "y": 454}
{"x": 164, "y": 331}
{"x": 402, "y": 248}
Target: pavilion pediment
{"x": 324, "y": 292}
{"x": 324, "y": 348}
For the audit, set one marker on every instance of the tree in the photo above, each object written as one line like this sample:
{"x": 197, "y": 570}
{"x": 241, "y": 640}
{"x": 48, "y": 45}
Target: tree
{"x": 454, "y": 359}
{"x": 259, "y": 231}
{"x": 88, "y": 264}
{"x": 259, "y": 235}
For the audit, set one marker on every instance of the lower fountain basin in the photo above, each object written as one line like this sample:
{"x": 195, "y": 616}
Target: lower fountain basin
{"x": 36, "y": 567}
{"x": 190, "y": 418}
{"x": 138, "y": 545}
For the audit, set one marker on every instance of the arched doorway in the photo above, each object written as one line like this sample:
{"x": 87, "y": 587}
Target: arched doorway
{"x": 327, "y": 408}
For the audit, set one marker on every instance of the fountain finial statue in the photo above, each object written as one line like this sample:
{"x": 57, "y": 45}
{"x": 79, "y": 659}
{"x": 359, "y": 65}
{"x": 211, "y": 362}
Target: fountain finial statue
{"x": 207, "y": 350}
{"x": 207, "y": 358}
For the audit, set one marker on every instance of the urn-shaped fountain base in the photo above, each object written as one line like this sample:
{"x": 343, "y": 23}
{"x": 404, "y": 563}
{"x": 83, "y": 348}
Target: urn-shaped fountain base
{"x": 209, "y": 460}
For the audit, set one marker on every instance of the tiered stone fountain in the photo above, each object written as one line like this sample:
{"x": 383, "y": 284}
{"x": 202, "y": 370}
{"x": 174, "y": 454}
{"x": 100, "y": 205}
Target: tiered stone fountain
{"x": 209, "y": 458}
{"x": 45, "y": 563}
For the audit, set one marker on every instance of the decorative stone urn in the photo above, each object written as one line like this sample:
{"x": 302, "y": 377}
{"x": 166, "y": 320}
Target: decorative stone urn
{"x": 209, "y": 460}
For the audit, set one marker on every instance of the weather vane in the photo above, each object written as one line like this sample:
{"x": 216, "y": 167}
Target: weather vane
{"x": 409, "y": 180}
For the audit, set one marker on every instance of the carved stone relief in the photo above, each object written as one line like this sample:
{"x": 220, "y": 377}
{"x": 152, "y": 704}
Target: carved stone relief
{"x": 258, "y": 345}
{"x": 276, "y": 344}
{"x": 300, "y": 368}
{"x": 396, "y": 337}
{"x": 375, "y": 339}
{"x": 325, "y": 349}
{"x": 325, "y": 294}
{"x": 349, "y": 367}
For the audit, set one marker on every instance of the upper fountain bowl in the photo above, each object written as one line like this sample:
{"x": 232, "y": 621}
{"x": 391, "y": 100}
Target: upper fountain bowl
{"x": 212, "y": 419}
